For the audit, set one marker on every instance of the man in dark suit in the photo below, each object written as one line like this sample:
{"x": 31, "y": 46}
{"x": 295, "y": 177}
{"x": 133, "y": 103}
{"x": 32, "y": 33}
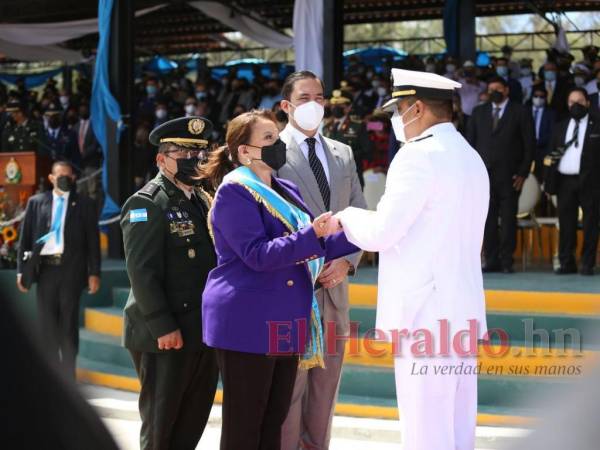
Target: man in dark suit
{"x": 515, "y": 91}
{"x": 558, "y": 88}
{"x": 503, "y": 134}
{"x": 579, "y": 183}
{"x": 543, "y": 121}
{"x": 59, "y": 142}
{"x": 65, "y": 226}
{"x": 89, "y": 158}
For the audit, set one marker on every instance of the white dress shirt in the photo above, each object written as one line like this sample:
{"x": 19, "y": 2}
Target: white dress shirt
{"x": 51, "y": 247}
{"x": 571, "y": 161}
{"x": 300, "y": 139}
{"x": 502, "y": 107}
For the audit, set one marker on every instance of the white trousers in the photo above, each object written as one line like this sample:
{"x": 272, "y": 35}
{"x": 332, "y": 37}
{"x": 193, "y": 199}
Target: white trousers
{"x": 437, "y": 411}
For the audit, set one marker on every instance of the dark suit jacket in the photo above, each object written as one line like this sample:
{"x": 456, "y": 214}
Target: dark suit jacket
{"x": 82, "y": 238}
{"x": 515, "y": 91}
{"x": 509, "y": 149}
{"x": 559, "y": 97}
{"x": 594, "y": 103}
{"x": 544, "y": 139}
{"x": 63, "y": 146}
{"x": 92, "y": 152}
{"x": 589, "y": 174}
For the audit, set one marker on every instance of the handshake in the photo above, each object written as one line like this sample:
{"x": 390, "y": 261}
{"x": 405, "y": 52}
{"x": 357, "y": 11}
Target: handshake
{"x": 326, "y": 224}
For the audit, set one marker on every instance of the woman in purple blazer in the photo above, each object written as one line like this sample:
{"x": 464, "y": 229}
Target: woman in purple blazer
{"x": 259, "y": 309}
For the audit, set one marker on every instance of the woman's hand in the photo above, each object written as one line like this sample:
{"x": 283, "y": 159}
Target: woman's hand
{"x": 325, "y": 224}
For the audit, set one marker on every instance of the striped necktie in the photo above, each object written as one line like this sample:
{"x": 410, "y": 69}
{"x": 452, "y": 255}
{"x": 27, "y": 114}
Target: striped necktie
{"x": 318, "y": 171}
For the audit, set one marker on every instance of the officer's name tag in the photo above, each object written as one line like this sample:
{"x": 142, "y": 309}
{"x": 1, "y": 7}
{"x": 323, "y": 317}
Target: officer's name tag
{"x": 138, "y": 215}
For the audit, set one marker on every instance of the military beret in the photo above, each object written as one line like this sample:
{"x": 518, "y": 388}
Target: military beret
{"x": 190, "y": 132}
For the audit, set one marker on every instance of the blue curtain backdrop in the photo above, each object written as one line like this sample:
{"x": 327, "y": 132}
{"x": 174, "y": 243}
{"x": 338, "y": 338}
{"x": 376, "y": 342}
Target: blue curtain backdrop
{"x": 103, "y": 105}
{"x": 451, "y": 26}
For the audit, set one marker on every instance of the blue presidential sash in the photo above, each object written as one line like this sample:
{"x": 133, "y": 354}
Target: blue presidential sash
{"x": 294, "y": 219}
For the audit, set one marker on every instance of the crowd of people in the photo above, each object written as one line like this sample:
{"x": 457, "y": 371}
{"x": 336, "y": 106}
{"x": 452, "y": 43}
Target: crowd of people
{"x": 56, "y": 122}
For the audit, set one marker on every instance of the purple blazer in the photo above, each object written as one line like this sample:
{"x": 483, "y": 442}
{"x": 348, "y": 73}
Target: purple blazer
{"x": 258, "y": 298}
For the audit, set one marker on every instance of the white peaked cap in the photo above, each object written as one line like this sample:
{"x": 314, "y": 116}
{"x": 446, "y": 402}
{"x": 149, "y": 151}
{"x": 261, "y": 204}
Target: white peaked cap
{"x": 406, "y": 83}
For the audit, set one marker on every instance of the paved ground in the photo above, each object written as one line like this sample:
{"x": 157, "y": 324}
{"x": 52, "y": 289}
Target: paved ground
{"x": 118, "y": 409}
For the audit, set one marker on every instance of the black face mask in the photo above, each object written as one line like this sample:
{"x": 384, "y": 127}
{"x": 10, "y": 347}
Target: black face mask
{"x": 273, "y": 155}
{"x": 578, "y": 111}
{"x": 496, "y": 97}
{"x": 187, "y": 171}
{"x": 338, "y": 112}
{"x": 64, "y": 183}
{"x": 281, "y": 116}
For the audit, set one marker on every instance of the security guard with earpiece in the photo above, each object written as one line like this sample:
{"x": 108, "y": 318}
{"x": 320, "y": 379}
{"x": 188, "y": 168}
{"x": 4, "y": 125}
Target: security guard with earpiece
{"x": 169, "y": 253}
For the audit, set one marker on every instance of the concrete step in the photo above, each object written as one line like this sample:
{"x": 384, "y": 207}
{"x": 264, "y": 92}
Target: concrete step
{"x": 515, "y": 325}
{"x": 103, "y": 349}
{"x": 347, "y": 432}
{"x": 363, "y": 391}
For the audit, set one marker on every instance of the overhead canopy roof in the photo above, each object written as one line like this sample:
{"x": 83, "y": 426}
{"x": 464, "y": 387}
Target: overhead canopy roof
{"x": 179, "y": 28}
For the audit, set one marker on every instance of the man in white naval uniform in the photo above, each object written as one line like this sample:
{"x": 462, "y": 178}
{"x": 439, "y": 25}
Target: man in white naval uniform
{"x": 428, "y": 228}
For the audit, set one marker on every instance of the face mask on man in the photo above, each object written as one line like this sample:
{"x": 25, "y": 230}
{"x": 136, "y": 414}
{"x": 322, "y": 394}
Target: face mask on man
{"x": 496, "y": 97}
{"x": 579, "y": 81}
{"x": 502, "y": 71}
{"x": 187, "y": 170}
{"x": 338, "y": 112}
{"x": 549, "y": 75}
{"x": 398, "y": 125}
{"x": 525, "y": 71}
{"x": 161, "y": 114}
{"x": 64, "y": 183}
{"x": 308, "y": 115}
{"x": 190, "y": 108}
{"x": 450, "y": 68}
{"x": 151, "y": 90}
{"x": 578, "y": 111}
{"x": 538, "y": 102}
{"x": 273, "y": 155}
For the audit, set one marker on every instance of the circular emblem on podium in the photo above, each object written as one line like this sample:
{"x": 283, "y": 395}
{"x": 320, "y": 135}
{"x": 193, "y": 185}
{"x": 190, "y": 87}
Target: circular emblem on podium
{"x": 13, "y": 172}
{"x": 195, "y": 126}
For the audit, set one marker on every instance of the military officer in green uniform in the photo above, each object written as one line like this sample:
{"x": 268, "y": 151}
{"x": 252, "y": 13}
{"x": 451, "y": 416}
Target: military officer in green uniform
{"x": 168, "y": 254}
{"x": 349, "y": 129}
{"x": 20, "y": 133}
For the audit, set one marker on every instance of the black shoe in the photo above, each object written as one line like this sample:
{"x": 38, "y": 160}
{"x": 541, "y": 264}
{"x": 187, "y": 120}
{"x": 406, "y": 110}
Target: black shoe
{"x": 508, "y": 269}
{"x": 586, "y": 271}
{"x": 565, "y": 270}
{"x": 489, "y": 268}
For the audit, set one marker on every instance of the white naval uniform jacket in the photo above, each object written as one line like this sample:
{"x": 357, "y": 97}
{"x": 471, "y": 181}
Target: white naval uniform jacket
{"x": 428, "y": 228}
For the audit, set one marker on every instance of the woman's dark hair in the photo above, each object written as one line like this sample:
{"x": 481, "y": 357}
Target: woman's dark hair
{"x": 224, "y": 159}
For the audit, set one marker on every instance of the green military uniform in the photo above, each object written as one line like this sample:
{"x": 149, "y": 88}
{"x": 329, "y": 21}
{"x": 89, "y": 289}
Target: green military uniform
{"x": 351, "y": 131}
{"x": 23, "y": 137}
{"x": 168, "y": 253}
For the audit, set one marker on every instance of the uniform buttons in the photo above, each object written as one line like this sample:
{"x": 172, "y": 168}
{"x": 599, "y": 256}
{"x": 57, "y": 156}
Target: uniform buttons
{"x": 187, "y": 240}
{"x": 185, "y": 305}
{"x": 290, "y": 283}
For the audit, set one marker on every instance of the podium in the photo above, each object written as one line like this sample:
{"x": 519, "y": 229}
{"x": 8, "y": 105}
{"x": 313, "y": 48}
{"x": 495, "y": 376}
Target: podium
{"x": 21, "y": 174}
